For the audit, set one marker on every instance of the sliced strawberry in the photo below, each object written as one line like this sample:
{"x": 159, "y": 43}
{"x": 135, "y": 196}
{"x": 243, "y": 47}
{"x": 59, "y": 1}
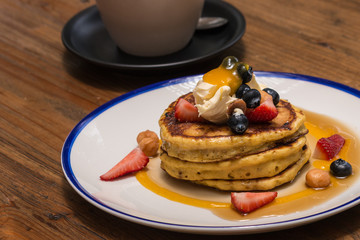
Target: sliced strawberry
{"x": 246, "y": 202}
{"x": 328, "y": 148}
{"x": 263, "y": 113}
{"x": 134, "y": 161}
{"x": 186, "y": 112}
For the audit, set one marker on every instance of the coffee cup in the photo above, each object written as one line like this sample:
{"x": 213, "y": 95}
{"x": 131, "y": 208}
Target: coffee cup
{"x": 150, "y": 28}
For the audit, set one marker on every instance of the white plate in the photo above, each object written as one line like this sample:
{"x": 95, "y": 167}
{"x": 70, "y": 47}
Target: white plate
{"x": 107, "y": 134}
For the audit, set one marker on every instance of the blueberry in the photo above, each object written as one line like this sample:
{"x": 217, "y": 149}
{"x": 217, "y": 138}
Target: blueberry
{"x": 238, "y": 123}
{"x": 274, "y": 94}
{"x": 245, "y": 72}
{"x": 242, "y": 90}
{"x": 229, "y": 62}
{"x": 252, "y": 98}
{"x": 340, "y": 168}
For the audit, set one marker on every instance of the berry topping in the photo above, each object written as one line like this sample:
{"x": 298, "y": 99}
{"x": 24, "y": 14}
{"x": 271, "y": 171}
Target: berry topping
{"x": 340, "y": 168}
{"x": 242, "y": 90}
{"x": 238, "y": 122}
{"x": 328, "y": 148}
{"x": 134, "y": 161}
{"x": 252, "y": 98}
{"x": 246, "y": 202}
{"x": 263, "y": 113}
{"x": 245, "y": 72}
{"x": 274, "y": 94}
{"x": 186, "y": 112}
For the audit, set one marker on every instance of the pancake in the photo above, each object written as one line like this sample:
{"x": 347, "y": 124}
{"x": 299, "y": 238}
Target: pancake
{"x": 207, "y": 142}
{"x": 258, "y": 184}
{"x": 264, "y": 164}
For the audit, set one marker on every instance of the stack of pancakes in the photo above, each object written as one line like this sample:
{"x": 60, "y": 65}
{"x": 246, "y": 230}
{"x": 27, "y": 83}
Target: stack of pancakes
{"x": 267, "y": 155}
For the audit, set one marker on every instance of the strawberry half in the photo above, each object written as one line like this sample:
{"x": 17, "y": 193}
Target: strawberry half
{"x": 328, "y": 148}
{"x": 263, "y": 113}
{"x": 186, "y": 112}
{"x": 246, "y": 202}
{"x": 134, "y": 161}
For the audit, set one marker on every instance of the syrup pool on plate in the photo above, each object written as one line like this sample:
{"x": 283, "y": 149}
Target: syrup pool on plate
{"x": 292, "y": 197}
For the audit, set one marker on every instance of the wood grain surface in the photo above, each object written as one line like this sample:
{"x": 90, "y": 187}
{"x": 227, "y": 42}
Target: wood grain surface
{"x": 45, "y": 91}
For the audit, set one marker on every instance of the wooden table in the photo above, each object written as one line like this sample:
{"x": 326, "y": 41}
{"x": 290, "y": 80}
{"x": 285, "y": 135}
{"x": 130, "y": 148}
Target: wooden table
{"x": 45, "y": 91}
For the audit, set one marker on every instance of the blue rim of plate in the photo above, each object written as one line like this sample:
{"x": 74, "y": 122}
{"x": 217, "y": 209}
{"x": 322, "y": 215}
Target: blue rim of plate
{"x": 67, "y": 147}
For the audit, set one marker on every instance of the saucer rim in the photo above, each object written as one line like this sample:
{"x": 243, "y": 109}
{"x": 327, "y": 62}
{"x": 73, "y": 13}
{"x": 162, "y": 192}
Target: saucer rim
{"x": 68, "y": 42}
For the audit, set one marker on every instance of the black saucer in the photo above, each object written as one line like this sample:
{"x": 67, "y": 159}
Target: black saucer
{"x": 86, "y": 36}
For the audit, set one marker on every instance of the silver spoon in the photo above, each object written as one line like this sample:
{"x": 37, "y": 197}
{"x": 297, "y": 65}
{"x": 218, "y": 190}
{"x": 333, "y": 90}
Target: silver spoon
{"x": 210, "y": 22}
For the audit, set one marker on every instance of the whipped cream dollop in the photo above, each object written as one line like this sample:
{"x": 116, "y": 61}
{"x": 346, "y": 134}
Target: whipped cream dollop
{"x": 213, "y": 101}
{"x": 253, "y": 84}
